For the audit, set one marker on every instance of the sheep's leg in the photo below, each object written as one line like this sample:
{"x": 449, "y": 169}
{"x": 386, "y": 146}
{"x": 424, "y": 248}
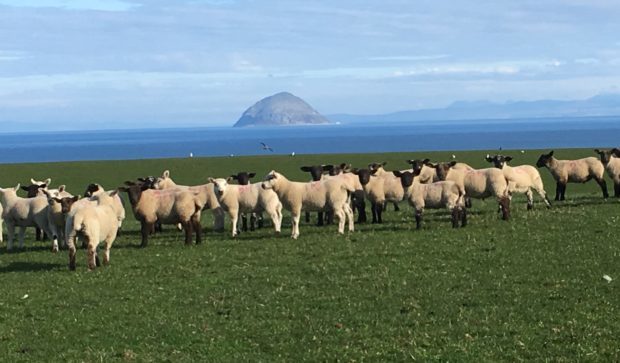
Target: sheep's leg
{"x": 1, "y": 236}
{"x": 373, "y": 210}
{"x": 349, "y": 213}
{"x": 360, "y": 205}
{"x": 341, "y": 219}
{"x": 601, "y": 183}
{"x": 252, "y": 221}
{"x": 504, "y": 203}
{"x": 10, "y": 234}
{"x": 295, "y": 215}
{"x": 92, "y": 253}
{"x": 558, "y": 191}
{"x": 530, "y": 199}
{"x": 275, "y": 218}
{"x": 260, "y": 221}
{"x": 22, "y": 231}
{"x": 467, "y": 202}
{"x": 307, "y": 217}
{"x": 218, "y": 220}
{"x": 145, "y": 229}
{"x": 187, "y": 227}
{"x": 234, "y": 219}
{"x": 197, "y": 229}
{"x": 37, "y": 236}
{"x": 72, "y": 250}
{"x": 396, "y": 207}
{"x": 418, "y": 218}
{"x": 455, "y": 217}
{"x": 541, "y": 191}
{"x": 244, "y": 222}
{"x": 617, "y": 190}
{"x": 379, "y": 214}
{"x": 463, "y": 217}
{"x": 320, "y": 220}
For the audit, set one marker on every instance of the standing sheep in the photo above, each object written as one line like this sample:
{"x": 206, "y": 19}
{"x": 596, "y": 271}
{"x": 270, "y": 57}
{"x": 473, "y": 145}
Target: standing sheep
{"x": 324, "y": 195}
{"x": 379, "y": 187}
{"x": 521, "y": 179}
{"x": 32, "y": 191}
{"x": 250, "y": 198}
{"x": 573, "y": 171}
{"x": 611, "y": 161}
{"x": 118, "y": 205}
{"x": 256, "y": 220}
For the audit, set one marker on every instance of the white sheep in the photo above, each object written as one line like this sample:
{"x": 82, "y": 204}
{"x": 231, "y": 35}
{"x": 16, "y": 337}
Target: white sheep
{"x": 521, "y": 179}
{"x": 611, "y": 160}
{"x": 118, "y": 205}
{"x": 477, "y": 183}
{"x": 24, "y": 212}
{"x": 573, "y": 171}
{"x": 170, "y": 206}
{"x": 95, "y": 222}
{"x": 441, "y": 194}
{"x": 427, "y": 174}
{"x": 379, "y": 187}
{"x": 205, "y": 193}
{"x": 323, "y": 195}
{"x": 55, "y": 215}
{"x": 251, "y": 198}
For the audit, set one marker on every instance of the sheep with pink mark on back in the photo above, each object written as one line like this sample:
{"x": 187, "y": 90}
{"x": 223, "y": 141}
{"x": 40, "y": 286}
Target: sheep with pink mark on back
{"x": 323, "y": 195}
{"x": 573, "y": 171}
{"x": 379, "y": 186}
{"x": 477, "y": 183}
{"x": 611, "y": 161}
{"x": 521, "y": 179}
{"x": 251, "y": 198}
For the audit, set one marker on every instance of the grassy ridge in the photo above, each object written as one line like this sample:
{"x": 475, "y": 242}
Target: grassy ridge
{"x": 528, "y": 289}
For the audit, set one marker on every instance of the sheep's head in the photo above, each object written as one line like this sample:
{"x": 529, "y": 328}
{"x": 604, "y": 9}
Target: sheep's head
{"x": 317, "y": 171}
{"x": 65, "y": 203}
{"x": 377, "y": 166}
{"x": 14, "y": 190}
{"x": 91, "y": 189}
{"x": 364, "y": 174}
{"x": 544, "y": 159}
{"x": 148, "y": 181}
{"x": 418, "y": 164}
{"x": 220, "y": 185}
{"x": 134, "y": 191}
{"x": 605, "y": 155}
{"x": 270, "y": 180}
{"x": 33, "y": 190}
{"x": 498, "y": 160}
{"x": 406, "y": 177}
{"x": 340, "y": 169}
{"x": 442, "y": 169}
{"x": 243, "y": 177}
{"x": 104, "y": 198}
{"x": 616, "y": 152}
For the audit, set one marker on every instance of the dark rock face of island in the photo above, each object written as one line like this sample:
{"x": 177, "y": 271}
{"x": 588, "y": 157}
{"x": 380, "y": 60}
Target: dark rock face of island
{"x": 281, "y": 109}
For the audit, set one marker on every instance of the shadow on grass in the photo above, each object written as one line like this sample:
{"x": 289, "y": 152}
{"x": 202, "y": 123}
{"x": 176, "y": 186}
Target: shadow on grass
{"x": 31, "y": 267}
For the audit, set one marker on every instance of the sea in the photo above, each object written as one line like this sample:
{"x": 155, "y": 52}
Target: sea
{"x": 375, "y": 137}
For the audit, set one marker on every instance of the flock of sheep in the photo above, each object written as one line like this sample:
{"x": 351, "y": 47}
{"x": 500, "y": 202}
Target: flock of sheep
{"x": 334, "y": 191}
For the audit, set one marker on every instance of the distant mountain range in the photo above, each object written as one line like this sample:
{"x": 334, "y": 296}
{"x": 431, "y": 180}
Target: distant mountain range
{"x": 280, "y": 109}
{"x": 600, "y": 105}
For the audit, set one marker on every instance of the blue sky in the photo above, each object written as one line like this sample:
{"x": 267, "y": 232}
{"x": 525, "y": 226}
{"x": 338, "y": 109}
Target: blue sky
{"x": 77, "y": 64}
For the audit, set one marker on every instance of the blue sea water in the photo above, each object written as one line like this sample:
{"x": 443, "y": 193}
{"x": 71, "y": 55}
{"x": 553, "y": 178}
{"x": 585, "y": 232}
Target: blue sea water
{"x": 363, "y": 138}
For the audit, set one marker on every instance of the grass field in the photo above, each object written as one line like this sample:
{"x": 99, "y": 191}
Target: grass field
{"x": 530, "y": 289}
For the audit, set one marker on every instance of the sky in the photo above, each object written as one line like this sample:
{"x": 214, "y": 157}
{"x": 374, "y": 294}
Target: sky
{"x": 92, "y": 64}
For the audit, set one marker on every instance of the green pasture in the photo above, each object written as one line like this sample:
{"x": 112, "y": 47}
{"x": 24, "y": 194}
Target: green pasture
{"x": 530, "y": 289}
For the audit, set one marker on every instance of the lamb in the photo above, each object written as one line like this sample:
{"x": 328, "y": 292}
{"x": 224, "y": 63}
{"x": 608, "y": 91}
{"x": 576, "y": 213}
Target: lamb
{"x": 55, "y": 215}
{"x": 611, "y": 161}
{"x": 357, "y": 197}
{"x": 521, "y": 179}
{"x": 96, "y": 222}
{"x": 427, "y": 173}
{"x": 379, "y": 167}
{"x": 477, "y": 183}
{"x": 324, "y": 195}
{"x": 441, "y": 194}
{"x": 171, "y": 206}
{"x": 205, "y": 194}
{"x": 243, "y": 178}
{"x": 573, "y": 171}
{"x": 32, "y": 191}
{"x": 247, "y": 198}
{"x": 24, "y": 212}
{"x": 379, "y": 187}
{"x": 316, "y": 172}
{"x": 118, "y": 205}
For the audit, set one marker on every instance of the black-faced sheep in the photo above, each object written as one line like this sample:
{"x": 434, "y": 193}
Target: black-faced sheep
{"x": 573, "y": 171}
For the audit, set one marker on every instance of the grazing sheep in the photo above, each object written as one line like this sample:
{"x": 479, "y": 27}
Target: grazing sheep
{"x": 170, "y": 206}
{"x": 441, "y": 194}
{"x": 324, "y": 195}
{"x": 24, "y": 212}
{"x": 247, "y": 198}
{"x": 573, "y": 171}
{"x": 243, "y": 178}
{"x": 521, "y": 179}
{"x": 96, "y": 222}
{"x": 477, "y": 183}
{"x": 379, "y": 187}
{"x": 611, "y": 161}
{"x": 206, "y": 196}
{"x": 118, "y": 205}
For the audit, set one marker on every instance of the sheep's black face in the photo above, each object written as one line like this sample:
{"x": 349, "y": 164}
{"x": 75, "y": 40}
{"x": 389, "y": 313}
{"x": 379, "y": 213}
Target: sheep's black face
{"x": 406, "y": 179}
{"x": 148, "y": 182}
{"x": 544, "y": 160}
{"x": 442, "y": 170}
{"x": 498, "y": 161}
{"x": 616, "y": 152}
{"x": 90, "y": 189}
{"x": 33, "y": 189}
{"x": 418, "y": 164}
{"x": 364, "y": 175}
{"x": 243, "y": 178}
{"x": 66, "y": 203}
{"x": 605, "y": 155}
{"x": 316, "y": 171}
{"x": 376, "y": 166}
{"x": 134, "y": 192}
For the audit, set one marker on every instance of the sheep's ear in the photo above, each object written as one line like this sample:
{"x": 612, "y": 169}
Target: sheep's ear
{"x": 426, "y": 161}
{"x": 251, "y": 175}
{"x": 306, "y": 168}
{"x": 47, "y": 193}
{"x": 397, "y": 173}
{"x": 488, "y": 158}
{"x": 431, "y": 165}
{"x": 233, "y": 176}
{"x": 122, "y": 189}
{"x": 372, "y": 172}
{"x": 47, "y": 181}
{"x": 355, "y": 171}
{"x": 384, "y": 163}
{"x": 129, "y": 183}
{"x": 61, "y": 188}
{"x": 75, "y": 198}
{"x": 32, "y": 181}
{"x": 410, "y": 161}
{"x": 113, "y": 193}
{"x": 211, "y": 180}
{"x": 23, "y": 188}
{"x": 17, "y": 187}
{"x": 165, "y": 174}
{"x": 551, "y": 153}
{"x": 57, "y": 200}
{"x": 452, "y": 163}
{"x": 508, "y": 158}
{"x": 228, "y": 180}
{"x": 327, "y": 167}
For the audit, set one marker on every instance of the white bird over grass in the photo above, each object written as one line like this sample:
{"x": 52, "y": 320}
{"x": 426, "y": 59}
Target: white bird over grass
{"x": 266, "y": 147}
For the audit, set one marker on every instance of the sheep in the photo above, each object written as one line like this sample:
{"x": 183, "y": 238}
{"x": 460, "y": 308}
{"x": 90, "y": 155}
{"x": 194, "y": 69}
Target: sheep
{"x": 322, "y": 195}
{"x": 205, "y": 193}
{"x": 118, "y": 205}
{"x": 243, "y": 178}
{"x": 55, "y": 215}
{"x": 32, "y": 191}
{"x": 521, "y": 179}
{"x": 96, "y": 222}
{"x": 573, "y": 171}
{"x": 24, "y": 212}
{"x": 427, "y": 173}
{"x": 379, "y": 167}
{"x": 379, "y": 187}
{"x": 357, "y": 197}
{"x": 171, "y": 206}
{"x": 441, "y": 194}
{"x": 611, "y": 160}
{"x": 247, "y": 198}
{"x": 477, "y": 183}
{"x": 316, "y": 172}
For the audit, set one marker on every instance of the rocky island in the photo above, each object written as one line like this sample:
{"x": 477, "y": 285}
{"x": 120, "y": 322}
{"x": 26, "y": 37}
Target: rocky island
{"x": 281, "y": 109}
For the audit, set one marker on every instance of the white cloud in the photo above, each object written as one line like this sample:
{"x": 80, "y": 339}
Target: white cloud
{"x": 102, "y": 5}
{"x": 413, "y": 58}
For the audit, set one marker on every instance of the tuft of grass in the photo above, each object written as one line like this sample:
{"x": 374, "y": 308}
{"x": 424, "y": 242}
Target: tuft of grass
{"x": 527, "y": 289}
